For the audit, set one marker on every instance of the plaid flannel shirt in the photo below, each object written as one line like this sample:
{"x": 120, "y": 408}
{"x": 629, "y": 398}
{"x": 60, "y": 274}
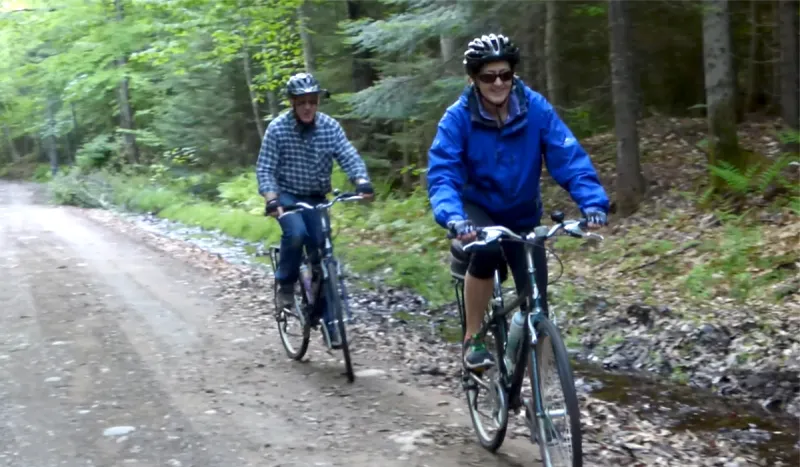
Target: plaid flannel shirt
{"x": 300, "y": 162}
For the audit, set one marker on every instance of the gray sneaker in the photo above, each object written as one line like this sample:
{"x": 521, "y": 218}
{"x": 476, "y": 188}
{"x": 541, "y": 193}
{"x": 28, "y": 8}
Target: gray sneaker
{"x": 285, "y": 298}
{"x": 476, "y": 357}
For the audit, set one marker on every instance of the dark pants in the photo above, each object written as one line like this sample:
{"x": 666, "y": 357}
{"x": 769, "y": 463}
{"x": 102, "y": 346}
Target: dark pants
{"x": 485, "y": 260}
{"x": 301, "y": 228}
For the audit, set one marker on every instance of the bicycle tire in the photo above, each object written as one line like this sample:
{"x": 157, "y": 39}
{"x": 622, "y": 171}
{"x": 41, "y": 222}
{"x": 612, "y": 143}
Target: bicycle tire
{"x": 491, "y": 442}
{"x": 335, "y": 303}
{"x": 548, "y": 331}
{"x": 287, "y": 346}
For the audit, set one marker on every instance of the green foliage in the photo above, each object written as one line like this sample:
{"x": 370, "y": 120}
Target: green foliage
{"x": 97, "y": 153}
{"x": 738, "y": 264}
{"x": 584, "y": 122}
{"x": 757, "y": 178}
{"x": 242, "y": 193}
{"x": 43, "y": 173}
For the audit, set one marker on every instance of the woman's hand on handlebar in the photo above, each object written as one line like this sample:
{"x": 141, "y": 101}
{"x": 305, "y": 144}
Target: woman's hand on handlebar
{"x": 595, "y": 218}
{"x": 462, "y": 229}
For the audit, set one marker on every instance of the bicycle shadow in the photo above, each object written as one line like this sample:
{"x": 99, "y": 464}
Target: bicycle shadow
{"x": 378, "y": 399}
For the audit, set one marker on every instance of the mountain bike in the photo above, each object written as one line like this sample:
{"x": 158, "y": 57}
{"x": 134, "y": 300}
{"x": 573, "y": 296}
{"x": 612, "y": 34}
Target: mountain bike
{"x": 531, "y": 333}
{"x": 319, "y": 288}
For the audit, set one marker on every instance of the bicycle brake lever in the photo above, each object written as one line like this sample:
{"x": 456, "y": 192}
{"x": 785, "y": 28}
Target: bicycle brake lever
{"x": 594, "y": 236}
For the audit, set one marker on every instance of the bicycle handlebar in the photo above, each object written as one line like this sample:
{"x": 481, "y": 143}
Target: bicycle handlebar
{"x": 542, "y": 233}
{"x": 339, "y": 197}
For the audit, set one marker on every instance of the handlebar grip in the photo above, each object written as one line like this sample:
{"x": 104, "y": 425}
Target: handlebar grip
{"x": 291, "y": 207}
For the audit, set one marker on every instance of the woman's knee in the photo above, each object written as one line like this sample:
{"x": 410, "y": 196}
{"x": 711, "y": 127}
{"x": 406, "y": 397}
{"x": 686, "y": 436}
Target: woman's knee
{"x": 484, "y": 262}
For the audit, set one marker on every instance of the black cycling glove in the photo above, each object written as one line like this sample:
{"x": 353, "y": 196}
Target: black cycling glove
{"x": 365, "y": 188}
{"x": 596, "y": 216}
{"x": 272, "y": 206}
{"x": 460, "y": 227}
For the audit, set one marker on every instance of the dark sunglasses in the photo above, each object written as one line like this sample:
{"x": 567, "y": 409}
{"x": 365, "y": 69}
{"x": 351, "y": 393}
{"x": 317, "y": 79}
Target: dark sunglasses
{"x": 489, "y": 78}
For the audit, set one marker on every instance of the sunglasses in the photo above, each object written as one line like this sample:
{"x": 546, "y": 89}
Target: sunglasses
{"x": 489, "y": 78}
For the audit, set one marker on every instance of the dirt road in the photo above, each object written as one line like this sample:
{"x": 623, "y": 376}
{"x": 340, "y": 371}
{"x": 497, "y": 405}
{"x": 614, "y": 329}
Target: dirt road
{"x": 115, "y": 354}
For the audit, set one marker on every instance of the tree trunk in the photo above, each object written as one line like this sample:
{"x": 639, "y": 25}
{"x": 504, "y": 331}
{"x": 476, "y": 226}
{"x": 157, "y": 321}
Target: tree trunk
{"x": 248, "y": 77}
{"x": 630, "y": 183}
{"x": 76, "y": 132}
{"x": 274, "y": 104}
{"x": 775, "y": 56}
{"x": 720, "y": 87}
{"x": 749, "y": 97}
{"x": 406, "y": 147}
{"x": 50, "y": 137}
{"x": 632, "y": 62}
{"x": 364, "y": 74}
{"x": 790, "y": 66}
{"x": 125, "y": 110}
{"x": 15, "y": 157}
{"x": 450, "y": 60}
{"x": 552, "y": 51}
{"x": 305, "y": 36}
{"x": 533, "y": 67}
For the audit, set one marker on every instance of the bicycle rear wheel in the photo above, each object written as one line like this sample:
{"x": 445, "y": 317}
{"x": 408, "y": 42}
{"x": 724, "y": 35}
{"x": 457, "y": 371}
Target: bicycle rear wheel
{"x": 558, "y": 428}
{"x": 335, "y": 297}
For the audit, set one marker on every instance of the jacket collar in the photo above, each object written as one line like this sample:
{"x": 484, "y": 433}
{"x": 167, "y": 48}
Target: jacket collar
{"x": 517, "y": 105}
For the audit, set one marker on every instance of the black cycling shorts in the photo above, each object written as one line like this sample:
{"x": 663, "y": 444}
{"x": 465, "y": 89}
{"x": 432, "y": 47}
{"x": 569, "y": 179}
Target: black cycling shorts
{"x": 485, "y": 260}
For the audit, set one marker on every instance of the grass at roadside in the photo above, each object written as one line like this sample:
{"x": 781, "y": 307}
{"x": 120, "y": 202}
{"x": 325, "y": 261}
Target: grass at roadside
{"x": 397, "y": 238}
{"x": 394, "y": 237}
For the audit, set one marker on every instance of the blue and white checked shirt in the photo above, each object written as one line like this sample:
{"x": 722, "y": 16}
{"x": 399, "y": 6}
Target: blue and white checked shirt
{"x": 301, "y": 163}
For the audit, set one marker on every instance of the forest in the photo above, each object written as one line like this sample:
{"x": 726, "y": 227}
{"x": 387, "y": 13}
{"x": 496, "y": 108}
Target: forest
{"x": 689, "y": 110}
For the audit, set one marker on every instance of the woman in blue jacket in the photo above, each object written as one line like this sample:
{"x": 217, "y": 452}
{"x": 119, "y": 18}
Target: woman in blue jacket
{"x": 484, "y": 168}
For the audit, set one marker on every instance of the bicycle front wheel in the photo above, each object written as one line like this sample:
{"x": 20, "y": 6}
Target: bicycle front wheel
{"x": 293, "y": 326}
{"x": 557, "y": 428}
{"x": 335, "y": 297}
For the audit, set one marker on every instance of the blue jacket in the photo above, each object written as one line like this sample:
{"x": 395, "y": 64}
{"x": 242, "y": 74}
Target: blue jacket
{"x": 498, "y": 169}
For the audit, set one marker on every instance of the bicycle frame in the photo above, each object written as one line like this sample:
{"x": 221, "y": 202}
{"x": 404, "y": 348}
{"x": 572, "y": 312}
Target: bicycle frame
{"x": 532, "y": 313}
{"x": 512, "y": 381}
{"x": 325, "y": 250}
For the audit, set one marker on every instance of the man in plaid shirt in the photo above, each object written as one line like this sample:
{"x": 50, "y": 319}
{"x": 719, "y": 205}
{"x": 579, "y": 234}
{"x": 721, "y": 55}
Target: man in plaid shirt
{"x": 295, "y": 165}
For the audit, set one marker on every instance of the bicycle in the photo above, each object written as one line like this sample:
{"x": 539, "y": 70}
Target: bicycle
{"x": 314, "y": 285}
{"x": 528, "y": 335}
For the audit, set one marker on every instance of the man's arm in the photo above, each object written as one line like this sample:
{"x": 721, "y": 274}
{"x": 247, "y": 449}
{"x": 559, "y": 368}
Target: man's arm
{"x": 446, "y": 172}
{"x": 348, "y": 158}
{"x": 266, "y": 165}
{"x": 568, "y": 163}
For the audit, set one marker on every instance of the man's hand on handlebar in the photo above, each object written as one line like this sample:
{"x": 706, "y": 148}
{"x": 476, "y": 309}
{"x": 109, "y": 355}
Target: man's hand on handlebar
{"x": 365, "y": 189}
{"x": 595, "y": 218}
{"x": 273, "y": 208}
{"x": 463, "y": 230}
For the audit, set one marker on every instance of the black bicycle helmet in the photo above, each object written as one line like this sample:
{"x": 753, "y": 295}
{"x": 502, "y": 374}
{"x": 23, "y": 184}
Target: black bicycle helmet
{"x": 491, "y": 48}
{"x": 302, "y": 83}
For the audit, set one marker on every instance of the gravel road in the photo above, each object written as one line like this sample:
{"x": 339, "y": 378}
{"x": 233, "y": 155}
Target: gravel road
{"x": 113, "y": 353}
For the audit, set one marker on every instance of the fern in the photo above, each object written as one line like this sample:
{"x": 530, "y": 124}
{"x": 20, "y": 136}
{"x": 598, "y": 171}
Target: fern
{"x": 773, "y": 173}
{"x": 754, "y": 179}
{"x": 732, "y": 176}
